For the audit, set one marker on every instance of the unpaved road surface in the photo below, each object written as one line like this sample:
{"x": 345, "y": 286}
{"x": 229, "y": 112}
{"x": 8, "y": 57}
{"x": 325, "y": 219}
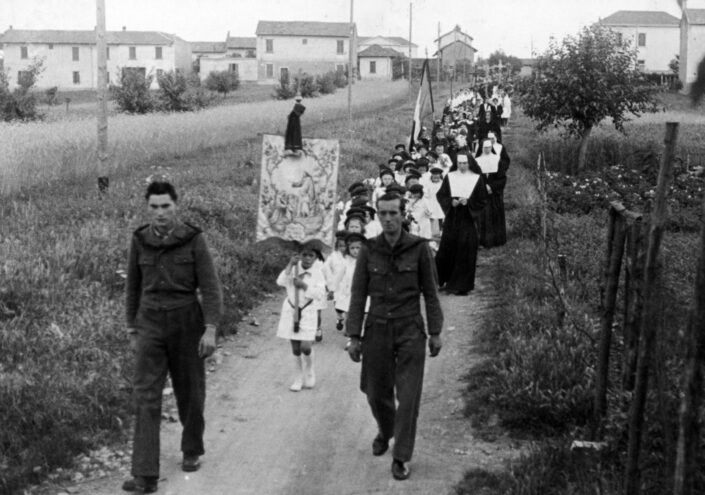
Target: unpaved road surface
{"x": 263, "y": 439}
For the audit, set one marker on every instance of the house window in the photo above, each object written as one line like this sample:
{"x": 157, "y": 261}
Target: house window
{"x": 269, "y": 46}
{"x": 270, "y": 71}
{"x": 233, "y": 68}
{"x": 107, "y": 77}
{"x": 107, "y": 53}
{"x": 642, "y": 39}
{"x": 641, "y": 64}
{"x": 339, "y": 68}
{"x": 373, "y": 67}
{"x": 76, "y": 77}
{"x": 23, "y": 52}
{"x": 74, "y": 53}
{"x": 24, "y": 77}
{"x": 158, "y": 52}
{"x": 304, "y": 41}
{"x": 51, "y": 46}
{"x": 284, "y": 74}
{"x": 341, "y": 47}
{"x": 133, "y": 52}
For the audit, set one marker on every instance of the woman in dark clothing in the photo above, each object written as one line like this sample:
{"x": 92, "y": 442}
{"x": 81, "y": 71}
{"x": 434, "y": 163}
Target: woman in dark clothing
{"x": 491, "y": 225}
{"x": 462, "y": 196}
{"x": 292, "y": 139}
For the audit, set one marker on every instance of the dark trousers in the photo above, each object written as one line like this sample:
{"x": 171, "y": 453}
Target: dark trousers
{"x": 168, "y": 341}
{"x": 393, "y": 356}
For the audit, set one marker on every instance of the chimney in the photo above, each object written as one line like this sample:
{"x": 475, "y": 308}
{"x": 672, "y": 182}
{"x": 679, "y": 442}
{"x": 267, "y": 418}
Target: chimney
{"x": 10, "y": 26}
{"x": 124, "y": 28}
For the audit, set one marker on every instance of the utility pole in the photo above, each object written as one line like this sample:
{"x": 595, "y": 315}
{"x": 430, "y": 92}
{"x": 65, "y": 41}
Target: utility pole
{"x": 351, "y": 72}
{"x": 101, "y": 57}
{"x": 410, "y": 15}
{"x": 438, "y": 58}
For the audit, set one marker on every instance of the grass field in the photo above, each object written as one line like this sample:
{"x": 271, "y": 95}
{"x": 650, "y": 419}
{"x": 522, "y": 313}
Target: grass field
{"x": 40, "y": 153}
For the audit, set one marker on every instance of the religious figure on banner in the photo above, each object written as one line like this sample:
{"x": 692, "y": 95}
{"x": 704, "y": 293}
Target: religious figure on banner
{"x": 297, "y": 192}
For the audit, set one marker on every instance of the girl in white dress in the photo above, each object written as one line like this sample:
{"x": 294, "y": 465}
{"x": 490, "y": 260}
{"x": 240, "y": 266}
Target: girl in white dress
{"x": 354, "y": 242}
{"x": 420, "y": 211}
{"x": 331, "y": 268}
{"x": 437, "y": 214}
{"x": 307, "y": 285}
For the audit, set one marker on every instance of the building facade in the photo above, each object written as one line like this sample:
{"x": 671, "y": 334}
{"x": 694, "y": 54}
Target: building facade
{"x": 285, "y": 48}
{"x": 69, "y": 58}
{"x": 654, "y": 35}
{"x": 455, "y": 46}
{"x": 692, "y": 44}
{"x": 375, "y": 63}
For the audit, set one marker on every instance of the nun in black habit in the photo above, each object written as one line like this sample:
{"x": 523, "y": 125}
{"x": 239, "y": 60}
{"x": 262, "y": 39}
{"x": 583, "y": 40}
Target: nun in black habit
{"x": 292, "y": 139}
{"x": 462, "y": 197}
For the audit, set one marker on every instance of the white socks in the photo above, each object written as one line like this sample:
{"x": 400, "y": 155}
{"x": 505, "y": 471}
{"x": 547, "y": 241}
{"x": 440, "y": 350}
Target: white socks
{"x": 309, "y": 373}
{"x": 298, "y": 375}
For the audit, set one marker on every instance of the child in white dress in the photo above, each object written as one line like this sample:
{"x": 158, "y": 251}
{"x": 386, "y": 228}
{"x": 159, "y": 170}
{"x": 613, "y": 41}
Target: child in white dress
{"x": 354, "y": 242}
{"x": 307, "y": 284}
{"x": 431, "y": 189}
{"x": 332, "y": 266}
{"x": 420, "y": 210}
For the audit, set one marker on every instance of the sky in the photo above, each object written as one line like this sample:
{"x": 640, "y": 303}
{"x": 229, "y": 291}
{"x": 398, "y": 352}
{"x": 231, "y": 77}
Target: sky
{"x": 514, "y": 26}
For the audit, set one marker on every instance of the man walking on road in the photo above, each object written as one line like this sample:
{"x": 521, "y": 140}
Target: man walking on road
{"x": 394, "y": 269}
{"x": 170, "y": 330}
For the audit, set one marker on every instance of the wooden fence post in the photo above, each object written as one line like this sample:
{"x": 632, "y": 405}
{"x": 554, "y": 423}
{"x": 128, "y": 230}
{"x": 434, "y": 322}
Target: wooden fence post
{"x": 633, "y": 301}
{"x": 648, "y": 319}
{"x": 616, "y": 234}
{"x": 688, "y": 431}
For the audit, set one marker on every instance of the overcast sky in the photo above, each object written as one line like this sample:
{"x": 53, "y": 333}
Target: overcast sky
{"x": 511, "y": 25}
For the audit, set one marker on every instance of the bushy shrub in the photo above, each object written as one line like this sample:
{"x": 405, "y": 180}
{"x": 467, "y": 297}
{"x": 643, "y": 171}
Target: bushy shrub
{"x": 285, "y": 89}
{"x": 177, "y": 95}
{"x": 307, "y": 86}
{"x": 132, "y": 95}
{"x": 326, "y": 83}
{"x": 223, "y": 82}
{"x": 340, "y": 79}
{"x": 20, "y": 103}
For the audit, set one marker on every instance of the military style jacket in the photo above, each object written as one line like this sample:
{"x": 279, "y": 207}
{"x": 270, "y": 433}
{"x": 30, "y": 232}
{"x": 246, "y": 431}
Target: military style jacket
{"x": 165, "y": 273}
{"x": 394, "y": 278}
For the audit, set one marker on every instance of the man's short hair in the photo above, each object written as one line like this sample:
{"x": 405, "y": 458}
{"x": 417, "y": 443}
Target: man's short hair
{"x": 161, "y": 187}
{"x": 391, "y": 196}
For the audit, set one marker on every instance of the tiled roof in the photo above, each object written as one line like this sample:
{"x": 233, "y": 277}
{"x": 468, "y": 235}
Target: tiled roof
{"x": 378, "y": 51}
{"x": 396, "y": 39}
{"x": 695, "y": 16}
{"x": 303, "y": 28}
{"x": 640, "y": 18}
{"x": 241, "y": 42}
{"x": 207, "y": 46}
{"x": 86, "y": 37}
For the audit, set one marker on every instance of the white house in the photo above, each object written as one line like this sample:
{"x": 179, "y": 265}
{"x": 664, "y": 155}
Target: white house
{"x": 395, "y": 43}
{"x": 375, "y": 62}
{"x": 285, "y": 48}
{"x": 654, "y": 34}
{"x": 692, "y": 43}
{"x": 236, "y": 54}
{"x": 70, "y": 61}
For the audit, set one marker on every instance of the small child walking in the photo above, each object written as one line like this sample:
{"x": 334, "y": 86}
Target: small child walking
{"x": 308, "y": 284}
{"x": 420, "y": 211}
{"x": 354, "y": 242}
{"x": 334, "y": 264}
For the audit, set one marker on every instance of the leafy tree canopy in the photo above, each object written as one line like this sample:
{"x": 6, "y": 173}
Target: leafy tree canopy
{"x": 507, "y": 60}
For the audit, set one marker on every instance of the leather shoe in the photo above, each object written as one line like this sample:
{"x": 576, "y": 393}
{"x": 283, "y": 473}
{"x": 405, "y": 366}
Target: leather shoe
{"x": 379, "y": 445}
{"x": 190, "y": 463}
{"x": 141, "y": 484}
{"x": 400, "y": 470}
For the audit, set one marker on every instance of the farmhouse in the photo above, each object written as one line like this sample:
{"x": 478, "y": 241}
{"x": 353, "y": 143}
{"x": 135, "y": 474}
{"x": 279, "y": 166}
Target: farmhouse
{"x": 236, "y": 54}
{"x": 285, "y": 48}
{"x": 375, "y": 62}
{"x": 395, "y": 43}
{"x": 654, "y": 34}
{"x": 692, "y": 43}
{"x": 456, "y": 46}
{"x": 70, "y": 61}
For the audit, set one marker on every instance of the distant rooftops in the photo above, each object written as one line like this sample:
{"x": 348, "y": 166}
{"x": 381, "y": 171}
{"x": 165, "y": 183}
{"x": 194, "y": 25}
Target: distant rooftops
{"x": 640, "y": 18}
{"x": 303, "y": 28}
{"x": 379, "y": 51}
{"x": 87, "y": 37}
{"x": 241, "y": 42}
{"x": 207, "y": 46}
{"x": 695, "y": 16}
{"x": 396, "y": 39}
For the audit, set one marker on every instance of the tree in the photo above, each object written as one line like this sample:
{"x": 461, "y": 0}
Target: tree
{"x": 132, "y": 95}
{"x": 222, "y": 81}
{"x": 583, "y": 80}
{"x": 20, "y": 103}
{"x": 507, "y": 60}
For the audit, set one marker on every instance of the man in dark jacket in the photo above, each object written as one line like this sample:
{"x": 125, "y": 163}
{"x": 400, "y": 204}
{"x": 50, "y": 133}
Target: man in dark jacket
{"x": 170, "y": 330}
{"x": 394, "y": 269}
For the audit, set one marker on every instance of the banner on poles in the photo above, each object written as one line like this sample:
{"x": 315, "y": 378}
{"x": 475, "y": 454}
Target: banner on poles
{"x": 424, "y": 104}
{"x": 298, "y": 192}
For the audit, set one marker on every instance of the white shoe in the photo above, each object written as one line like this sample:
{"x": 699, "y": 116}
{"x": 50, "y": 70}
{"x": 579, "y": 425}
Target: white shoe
{"x": 309, "y": 373}
{"x": 298, "y": 375}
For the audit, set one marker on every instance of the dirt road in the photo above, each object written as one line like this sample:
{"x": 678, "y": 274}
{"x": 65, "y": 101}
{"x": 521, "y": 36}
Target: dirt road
{"x": 263, "y": 439}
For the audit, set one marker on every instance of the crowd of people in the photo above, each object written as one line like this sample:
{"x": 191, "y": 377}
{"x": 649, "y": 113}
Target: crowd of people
{"x": 413, "y": 230}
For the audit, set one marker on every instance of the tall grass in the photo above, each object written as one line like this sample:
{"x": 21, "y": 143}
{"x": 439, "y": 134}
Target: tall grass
{"x": 40, "y": 153}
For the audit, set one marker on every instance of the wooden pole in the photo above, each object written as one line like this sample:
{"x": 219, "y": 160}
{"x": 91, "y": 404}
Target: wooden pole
{"x": 102, "y": 86}
{"x": 438, "y": 60}
{"x": 688, "y": 431}
{"x": 351, "y": 71}
{"x": 410, "y": 17}
{"x": 647, "y": 339}
{"x": 633, "y": 302}
{"x": 610, "y": 285}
